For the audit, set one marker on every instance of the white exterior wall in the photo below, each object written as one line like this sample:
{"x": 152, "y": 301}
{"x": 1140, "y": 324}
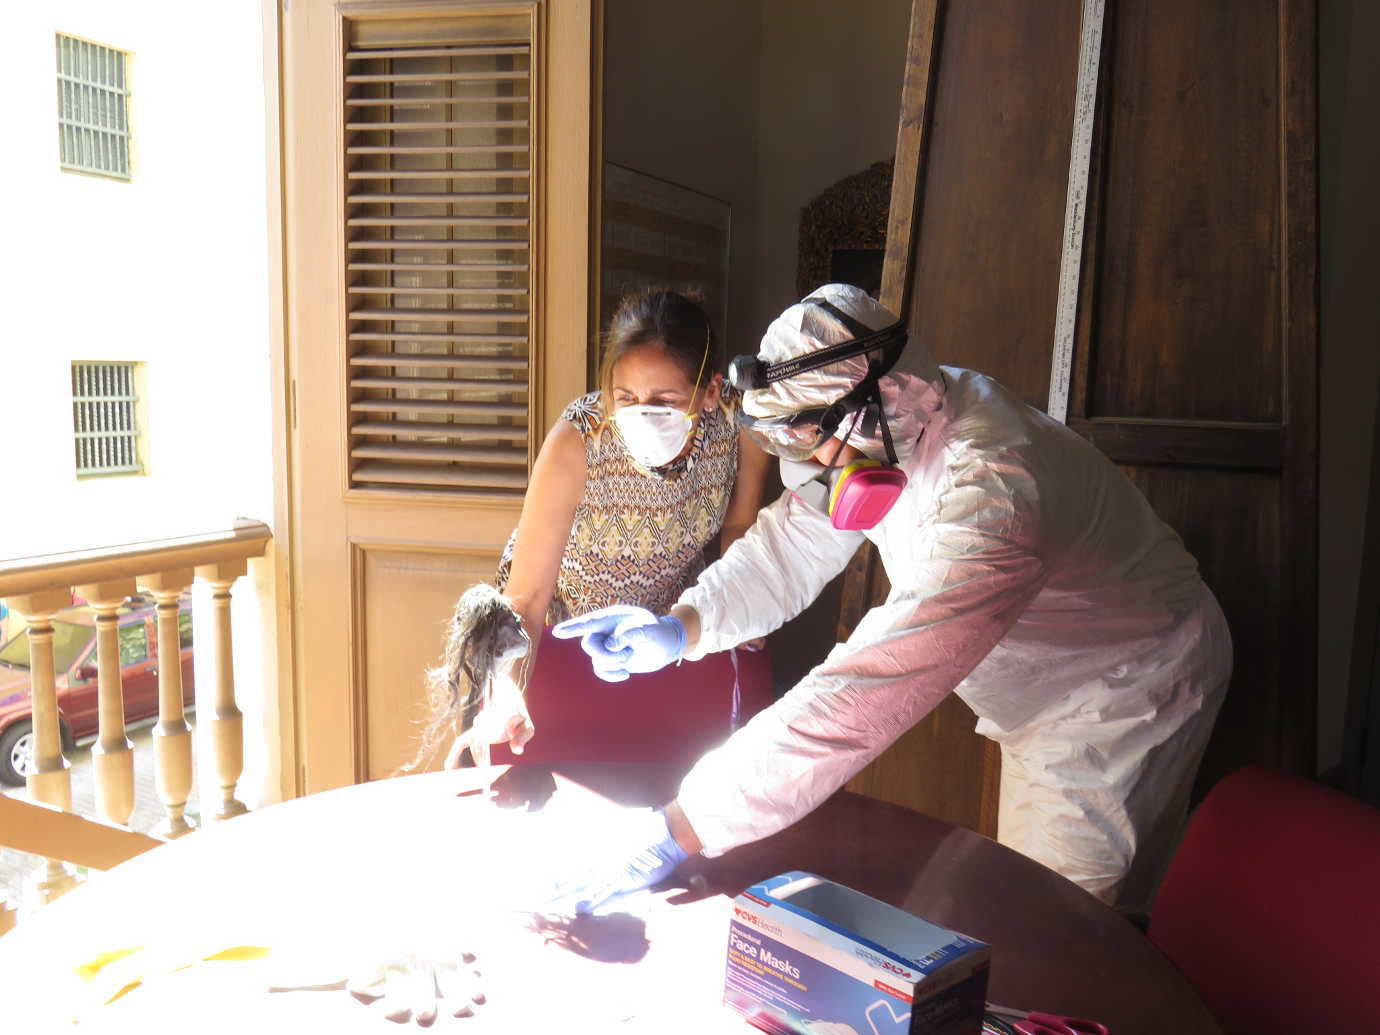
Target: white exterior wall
{"x": 169, "y": 269}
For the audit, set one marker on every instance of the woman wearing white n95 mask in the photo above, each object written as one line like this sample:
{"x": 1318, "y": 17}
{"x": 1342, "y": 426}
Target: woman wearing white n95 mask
{"x": 1028, "y": 575}
{"x": 632, "y": 483}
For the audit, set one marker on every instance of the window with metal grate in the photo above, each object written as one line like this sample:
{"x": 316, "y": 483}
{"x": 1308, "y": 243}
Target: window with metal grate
{"x": 93, "y": 107}
{"x": 105, "y": 419}
{"x": 438, "y": 234}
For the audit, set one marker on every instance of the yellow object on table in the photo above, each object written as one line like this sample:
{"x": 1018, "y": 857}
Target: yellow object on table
{"x": 118, "y": 972}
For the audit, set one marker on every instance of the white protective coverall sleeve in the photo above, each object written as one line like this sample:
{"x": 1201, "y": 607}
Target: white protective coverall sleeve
{"x": 975, "y": 571}
{"x": 769, "y": 575}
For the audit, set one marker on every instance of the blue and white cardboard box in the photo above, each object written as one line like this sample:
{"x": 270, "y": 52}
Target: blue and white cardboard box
{"x": 807, "y": 956}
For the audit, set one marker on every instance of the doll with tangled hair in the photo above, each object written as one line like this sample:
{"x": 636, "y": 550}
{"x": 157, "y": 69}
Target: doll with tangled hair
{"x": 485, "y": 654}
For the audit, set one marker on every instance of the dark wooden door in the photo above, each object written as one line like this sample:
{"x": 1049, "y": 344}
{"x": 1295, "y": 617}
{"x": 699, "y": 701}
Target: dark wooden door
{"x": 1195, "y": 357}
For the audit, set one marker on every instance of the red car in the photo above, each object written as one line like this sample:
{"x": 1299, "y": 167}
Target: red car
{"x": 74, "y": 650}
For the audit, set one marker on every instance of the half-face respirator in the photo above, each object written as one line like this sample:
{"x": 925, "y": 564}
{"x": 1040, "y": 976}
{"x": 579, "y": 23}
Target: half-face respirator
{"x": 860, "y": 495}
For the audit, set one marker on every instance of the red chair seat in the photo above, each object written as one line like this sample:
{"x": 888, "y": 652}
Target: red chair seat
{"x": 1271, "y": 907}
{"x": 672, "y": 717}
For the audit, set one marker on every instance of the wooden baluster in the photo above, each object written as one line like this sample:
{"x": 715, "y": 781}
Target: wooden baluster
{"x": 8, "y": 914}
{"x": 50, "y": 780}
{"x": 227, "y": 723}
{"x": 112, "y": 756}
{"x": 172, "y": 737}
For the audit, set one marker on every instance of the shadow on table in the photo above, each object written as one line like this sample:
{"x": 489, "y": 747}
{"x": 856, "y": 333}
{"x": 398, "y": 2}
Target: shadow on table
{"x": 526, "y": 787}
{"x": 615, "y": 938}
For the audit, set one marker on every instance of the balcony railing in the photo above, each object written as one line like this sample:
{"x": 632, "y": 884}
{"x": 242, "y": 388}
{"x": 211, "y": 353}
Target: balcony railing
{"x": 37, "y": 588}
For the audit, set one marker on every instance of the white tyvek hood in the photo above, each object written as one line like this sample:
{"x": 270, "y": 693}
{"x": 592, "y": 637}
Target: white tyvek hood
{"x": 910, "y": 392}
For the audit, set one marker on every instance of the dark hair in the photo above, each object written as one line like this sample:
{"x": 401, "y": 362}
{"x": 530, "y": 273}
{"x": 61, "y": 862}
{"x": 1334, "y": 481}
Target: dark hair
{"x": 671, "y": 319}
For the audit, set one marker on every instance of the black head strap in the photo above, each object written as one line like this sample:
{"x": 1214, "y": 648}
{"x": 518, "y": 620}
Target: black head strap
{"x": 747, "y": 373}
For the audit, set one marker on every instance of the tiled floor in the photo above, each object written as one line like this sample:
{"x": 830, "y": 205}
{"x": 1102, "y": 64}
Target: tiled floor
{"x": 15, "y": 867}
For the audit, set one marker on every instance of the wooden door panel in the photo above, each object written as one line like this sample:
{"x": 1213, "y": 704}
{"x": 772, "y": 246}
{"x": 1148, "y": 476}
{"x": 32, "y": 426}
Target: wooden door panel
{"x": 398, "y": 644}
{"x": 437, "y": 240}
{"x": 1188, "y": 318}
{"x": 1196, "y": 353}
{"x": 987, "y": 252}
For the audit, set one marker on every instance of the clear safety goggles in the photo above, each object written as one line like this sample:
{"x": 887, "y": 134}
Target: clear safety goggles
{"x": 794, "y": 436}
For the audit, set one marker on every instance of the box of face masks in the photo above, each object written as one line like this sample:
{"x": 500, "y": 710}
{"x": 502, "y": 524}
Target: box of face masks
{"x": 811, "y": 957}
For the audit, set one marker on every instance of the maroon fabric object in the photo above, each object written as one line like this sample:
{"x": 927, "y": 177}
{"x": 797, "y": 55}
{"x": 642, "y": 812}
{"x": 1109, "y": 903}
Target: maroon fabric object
{"x": 671, "y": 717}
{"x": 1271, "y": 907}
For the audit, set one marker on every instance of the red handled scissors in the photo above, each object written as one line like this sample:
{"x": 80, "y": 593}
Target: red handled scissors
{"x": 1032, "y": 1022}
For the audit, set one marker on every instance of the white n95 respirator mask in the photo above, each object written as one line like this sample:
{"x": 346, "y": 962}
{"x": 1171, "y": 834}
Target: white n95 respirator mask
{"x": 654, "y": 435}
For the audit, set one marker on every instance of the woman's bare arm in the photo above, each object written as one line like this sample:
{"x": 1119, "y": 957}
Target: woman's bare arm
{"x": 548, "y": 511}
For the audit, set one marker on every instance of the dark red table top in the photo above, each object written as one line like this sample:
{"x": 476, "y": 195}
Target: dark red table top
{"x": 1054, "y": 947}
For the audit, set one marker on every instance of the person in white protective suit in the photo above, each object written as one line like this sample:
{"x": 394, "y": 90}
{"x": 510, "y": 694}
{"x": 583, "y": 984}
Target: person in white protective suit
{"x": 1028, "y": 575}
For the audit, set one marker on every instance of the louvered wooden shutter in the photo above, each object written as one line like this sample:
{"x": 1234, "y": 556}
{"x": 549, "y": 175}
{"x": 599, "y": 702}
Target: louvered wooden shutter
{"x": 438, "y": 234}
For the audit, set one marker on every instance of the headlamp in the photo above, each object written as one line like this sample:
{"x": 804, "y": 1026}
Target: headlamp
{"x": 749, "y": 373}
{"x": 795, "y": 436}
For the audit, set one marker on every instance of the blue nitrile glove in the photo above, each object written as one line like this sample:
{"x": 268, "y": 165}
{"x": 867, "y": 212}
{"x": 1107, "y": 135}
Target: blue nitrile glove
{"x": 623, "y": 639}
{"x": 636, "y": 853}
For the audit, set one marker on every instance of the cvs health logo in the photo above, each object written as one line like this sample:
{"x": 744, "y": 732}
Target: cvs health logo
{"x": 896, "y": 969}
{"x": 885, "y": 964}
{"x": 756, "y": 921}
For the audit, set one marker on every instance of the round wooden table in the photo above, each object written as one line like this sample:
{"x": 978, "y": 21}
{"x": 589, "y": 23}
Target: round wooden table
{"x": 426, "y": 857}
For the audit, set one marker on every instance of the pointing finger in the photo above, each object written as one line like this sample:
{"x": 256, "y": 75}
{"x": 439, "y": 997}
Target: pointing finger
{"x": 573, "y": 627}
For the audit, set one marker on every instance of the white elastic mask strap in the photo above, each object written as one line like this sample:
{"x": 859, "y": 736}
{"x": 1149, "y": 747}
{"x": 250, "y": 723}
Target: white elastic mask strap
{"x": 704, "y": 360}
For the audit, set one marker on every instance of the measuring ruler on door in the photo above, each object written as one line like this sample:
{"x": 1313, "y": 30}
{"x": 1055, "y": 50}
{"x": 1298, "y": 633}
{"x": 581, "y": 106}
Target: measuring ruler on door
{"x": 1075, "y": 208}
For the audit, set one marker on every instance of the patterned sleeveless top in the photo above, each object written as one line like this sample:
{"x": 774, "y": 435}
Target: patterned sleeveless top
{"x": 638, "y": 536}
